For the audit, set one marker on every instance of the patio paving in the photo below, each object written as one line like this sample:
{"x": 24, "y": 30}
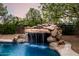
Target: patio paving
{"x": 74, "y": 40}
{"x": 67, "y": 51}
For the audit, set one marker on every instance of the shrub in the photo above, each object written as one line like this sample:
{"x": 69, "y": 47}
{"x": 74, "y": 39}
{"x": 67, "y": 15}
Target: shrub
{"x": 33, "y": 22}
{"x": 7, "y": 28}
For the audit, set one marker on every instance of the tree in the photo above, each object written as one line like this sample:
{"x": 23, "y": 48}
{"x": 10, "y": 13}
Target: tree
{"x": 3, "y": 12}
{"x": 52, "y": 12}
{"x": 33, "y": 16}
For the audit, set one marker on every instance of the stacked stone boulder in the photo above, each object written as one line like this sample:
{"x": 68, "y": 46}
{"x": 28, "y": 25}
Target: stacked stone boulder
{"x": 19, "y": 38}
{"x": 55, "y": 33}
{"x": 55, "y": 38}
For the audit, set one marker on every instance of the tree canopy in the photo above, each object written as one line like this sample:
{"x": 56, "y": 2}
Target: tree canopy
{"x": 54, "y": 11}
{"x": 3, "y": 10}
{"x": 33, "y": 16}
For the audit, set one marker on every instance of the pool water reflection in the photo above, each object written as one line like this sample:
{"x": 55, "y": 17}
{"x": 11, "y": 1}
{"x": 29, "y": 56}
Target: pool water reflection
{"x": 26, "y": 49}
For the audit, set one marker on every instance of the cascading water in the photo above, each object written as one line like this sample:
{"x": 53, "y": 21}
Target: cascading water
{"x": 38, "y": 38}
{"x": 43, "y": 38}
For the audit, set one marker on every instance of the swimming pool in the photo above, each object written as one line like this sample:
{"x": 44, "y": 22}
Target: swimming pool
{"x": 26, "y": 49}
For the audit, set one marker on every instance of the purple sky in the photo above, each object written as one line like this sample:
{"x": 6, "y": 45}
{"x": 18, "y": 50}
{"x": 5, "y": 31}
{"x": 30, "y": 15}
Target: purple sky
{"x": 20, "y": 9}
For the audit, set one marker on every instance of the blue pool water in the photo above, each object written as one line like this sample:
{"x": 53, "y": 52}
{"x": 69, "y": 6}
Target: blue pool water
{"x": 26, "y": 49}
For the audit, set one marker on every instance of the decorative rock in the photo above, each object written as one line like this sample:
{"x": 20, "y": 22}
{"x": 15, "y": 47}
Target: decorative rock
{"x": 60, "y": 31}
{"x": 21, "y": 40}
{"x": 54, "y": 32}
{"x": 21, "y": 36}
{"x": 61, "y": 42}
{"x": 15, "y": 40}
{"x": 34, "y": 26}
{"x": 16, "y": 37}
{"x": 39, "y": 26}
{"x": 51, "y": 27}
{"x": 28, "y": 27}
{"x": 44, "y": 24}
{"x": 59, "y": 35}
{"x": 51, "y": 39}
{"x": 53, "y": 44}
{"x": 37, "y": 30}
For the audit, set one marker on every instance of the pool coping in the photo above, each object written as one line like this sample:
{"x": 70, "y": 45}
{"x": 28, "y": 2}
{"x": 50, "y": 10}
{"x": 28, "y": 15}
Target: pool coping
{"x": 66, "y": 50}
{"x": 6, "y": 40}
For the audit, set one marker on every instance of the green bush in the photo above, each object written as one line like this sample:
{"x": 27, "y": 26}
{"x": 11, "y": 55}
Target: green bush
{"x": 33, "y": 22}
{"x": 7, "y": 28}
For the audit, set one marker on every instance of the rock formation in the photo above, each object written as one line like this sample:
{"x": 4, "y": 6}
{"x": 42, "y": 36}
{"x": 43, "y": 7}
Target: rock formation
{"x": 55, "y": 37}
{"x": 55, "y": 32}
{"x": 51, "y": 39}
{"x": 19, "y": 38}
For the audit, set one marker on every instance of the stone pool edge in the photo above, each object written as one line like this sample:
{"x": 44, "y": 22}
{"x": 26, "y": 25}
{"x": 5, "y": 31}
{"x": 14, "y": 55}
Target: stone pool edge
{"x": 66, "y": 50}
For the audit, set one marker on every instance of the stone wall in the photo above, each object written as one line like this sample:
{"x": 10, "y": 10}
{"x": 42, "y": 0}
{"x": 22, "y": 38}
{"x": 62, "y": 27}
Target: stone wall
{"x": 55, "y": 32}
{"x": 55, "y": 37}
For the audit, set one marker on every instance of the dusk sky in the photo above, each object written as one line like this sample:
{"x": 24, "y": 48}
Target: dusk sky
{"x": 20, "y": 9}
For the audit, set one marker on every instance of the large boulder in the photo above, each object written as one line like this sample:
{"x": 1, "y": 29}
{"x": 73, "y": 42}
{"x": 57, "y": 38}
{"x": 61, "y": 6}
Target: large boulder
{"x": 53, "y": 44}
{"x": 51, "y": 39}
{"x": 50, "y": 27}
{"x": 60, "y": 30}
{"x": 61, "y": 42}
{"x": 54, "y": 32}
{"x": 19, "y": 38}
{"x": 59, "y": 35}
